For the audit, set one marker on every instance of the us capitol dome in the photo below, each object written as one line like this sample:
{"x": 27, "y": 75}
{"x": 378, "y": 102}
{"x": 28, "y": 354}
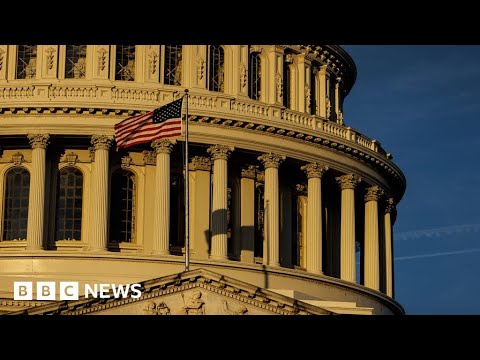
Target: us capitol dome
{"x": 291, "y": 208}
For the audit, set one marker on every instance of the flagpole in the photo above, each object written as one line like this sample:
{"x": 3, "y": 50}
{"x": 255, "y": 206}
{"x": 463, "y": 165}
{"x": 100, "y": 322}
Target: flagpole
{"x": 187, "y": 197}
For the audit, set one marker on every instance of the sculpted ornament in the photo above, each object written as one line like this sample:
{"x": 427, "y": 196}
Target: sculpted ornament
{"x": 101, "y": 142}
{"x": 249, "y": 172}
{"x": 156, "y": 309}
{"x": 271, "y": 160}
{"x": 149, "y": 157}
{"x": 349, "y": 181}
{"x": 220, "y": 151}
{"x": 152, "y": 62}
{"x": 243, "y": 75}
{"x": 17, "y": 158}
{"x": 307, "y": 96}
{"x": 200, "y": 67}
{"x": 329, "y": 108}
{"x": 39, "y": 141}
{"x": 390, "y": 205}
{"x": 279, "y": 83}
{"x": 373, "y": 193}
{"x": 102, "y": 59}
{"x": 314, "y": 170}
{"x": 163, "y": 146}
{"x": 200, "y": 163}
{"x": 238, "y": 310}
{"x": 50, "y": 57}
{"x": 2, "y": 56}
{"x": 194, "y": 305}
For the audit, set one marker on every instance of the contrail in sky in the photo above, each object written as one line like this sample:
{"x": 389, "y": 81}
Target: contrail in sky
{"x": 447, "y": 253}
{"x": 437, "y": 232}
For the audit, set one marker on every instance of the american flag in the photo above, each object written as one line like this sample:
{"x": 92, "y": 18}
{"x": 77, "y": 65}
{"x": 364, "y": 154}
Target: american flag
{"x": 166, "y": 121}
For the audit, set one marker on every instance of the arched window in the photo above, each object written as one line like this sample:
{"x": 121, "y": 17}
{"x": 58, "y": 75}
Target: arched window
{"x": 75, "y": 61}
{"x": 26, "y": 62}
{"x": 287, "y": 80}
{"x": 125, "y": 62}
{"x": 69, "y": 204}
{"x": 15, "y": 209}
{"x": 173, "y": 65}
{"x": 254, "y": 71}
{"x": 122, "y": 206}
{"x": 216, "y": 69}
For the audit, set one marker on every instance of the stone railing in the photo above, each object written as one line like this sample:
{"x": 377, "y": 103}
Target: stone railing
{"x": 146, "y": 97}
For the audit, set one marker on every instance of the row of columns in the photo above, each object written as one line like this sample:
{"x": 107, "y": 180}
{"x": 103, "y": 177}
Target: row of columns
{"x": 219, "y": 243}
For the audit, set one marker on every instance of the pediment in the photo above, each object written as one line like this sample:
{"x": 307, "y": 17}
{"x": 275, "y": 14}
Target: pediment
{"x": 196, "y": 292}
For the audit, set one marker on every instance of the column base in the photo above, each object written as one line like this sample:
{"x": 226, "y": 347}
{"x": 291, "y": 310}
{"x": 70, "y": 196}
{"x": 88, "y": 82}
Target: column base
{"x": 160, "y": 252}
{"x": 277, "y": 264}
{"x": 34, "y": 247}
{"x": 218, "y": 257}
{"x": 95, "y": 249}
{"x": 315, "y": 271}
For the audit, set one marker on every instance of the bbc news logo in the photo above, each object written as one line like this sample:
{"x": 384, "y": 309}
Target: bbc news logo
{"x": 68, "y": 290}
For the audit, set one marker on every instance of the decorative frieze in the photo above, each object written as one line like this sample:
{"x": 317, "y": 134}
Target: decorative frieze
{"x": 349, "y": 181}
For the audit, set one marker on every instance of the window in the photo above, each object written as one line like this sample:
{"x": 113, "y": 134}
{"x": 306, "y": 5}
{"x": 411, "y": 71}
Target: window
{"x": 216, "y": 69}
{"x": 69, "y": 204}
{"x": 122, "y": 206}
{"x": 26, "y": 61}
{"x": 287, "y": 85}
{"x": 75, "y": 61}
{"x": 254, "y": 71}
{"x": 125, "y": 62}
{"x": 17, "y": 186}
{"x": 173, "y": 65}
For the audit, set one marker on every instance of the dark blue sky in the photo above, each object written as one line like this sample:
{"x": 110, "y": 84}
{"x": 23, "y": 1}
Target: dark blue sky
{"x": 423, "y": 103}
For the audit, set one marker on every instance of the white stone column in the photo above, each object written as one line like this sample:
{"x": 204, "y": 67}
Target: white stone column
{"x": 314, "y": 173}
{"x": 247, "y": 214}
{"x": 219, "y": 245}
{"x": 271, "y": 255}
{"x": 99, "y": 221}
{"x": 371, "y": 256}
{"x": 347, "y": 226}
{"x": 36, "y": 203}
{"x": 161, "y": 219}
{"x": 389, "y": 210}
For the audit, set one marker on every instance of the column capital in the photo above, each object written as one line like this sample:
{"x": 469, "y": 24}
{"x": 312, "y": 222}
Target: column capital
{"x": 314, "y": 170}
{"x": 390, "y": 206}
{"x": 200, "y": 163}
{"x": 249, "y": 172}
{"x": 349, "y": 181}
{"x": 163, "y": 146}
{"x": 373, "y": 193}
{"x": 38, "y": 141}
{"x": 271, "y": 160}
{"x": 101, "y": 142}
{"x": 220, "y": 152}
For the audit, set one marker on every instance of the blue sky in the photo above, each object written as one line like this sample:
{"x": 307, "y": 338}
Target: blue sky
{"x": 423, "y": 103}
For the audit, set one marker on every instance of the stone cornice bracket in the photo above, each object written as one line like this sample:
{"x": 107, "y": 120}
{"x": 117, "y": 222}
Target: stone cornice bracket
{"x": 271, "y": 160}
{"x": 390, "y": 206}
{"x": 314, "y": 170}
{"x": 249, "y": 172}
{"x": 101, "y": 142}
{"x": 200, "y": 163}
{"x": 164, "y": 146}
{"x": 373, "y": 193}
{"x": 222, "y": 152}
{"x": 38, "y": 141}
{"x": 349, "y": 181}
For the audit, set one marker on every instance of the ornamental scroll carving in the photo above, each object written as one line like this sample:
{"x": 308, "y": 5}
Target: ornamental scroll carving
{"x": 102, "y": 59}
{"x": 2, "y": 57}
{"x": 17, "y": 158}
{"x": 328, "y": 106}
{"x": 243, "y": 75}
{"x": 373, "y": 193}
{"x": 153, "y": 62}
{"x": 50, "y": 57}
{"x": 38, "y": 141}
{"x": 308, "y": 95}
{"x": 200, "y": 163}
{"x": 349, "y": 181}
{"x": 314, "y": 170}
{"x": 279, "y": 83}
{"x": 200, "y": 67}
{"x": 149, "y": 157}
{"x": 271, "y": 160}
